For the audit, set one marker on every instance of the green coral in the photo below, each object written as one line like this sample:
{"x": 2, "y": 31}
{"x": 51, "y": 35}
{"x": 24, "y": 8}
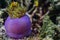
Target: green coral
{"x": 47, "y": 28}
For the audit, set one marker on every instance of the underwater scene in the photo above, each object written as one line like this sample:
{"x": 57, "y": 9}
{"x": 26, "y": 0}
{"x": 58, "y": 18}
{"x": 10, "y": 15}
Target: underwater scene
{"x": 29, "y": 19}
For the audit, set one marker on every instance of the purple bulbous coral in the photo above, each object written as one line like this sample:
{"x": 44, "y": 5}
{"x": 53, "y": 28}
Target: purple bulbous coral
{"x": 19, "y": 27}
{"x": 18, "y": 24}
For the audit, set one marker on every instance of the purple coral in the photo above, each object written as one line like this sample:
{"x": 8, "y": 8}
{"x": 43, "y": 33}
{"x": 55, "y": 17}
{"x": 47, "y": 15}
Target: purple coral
{"x": 18, "y": 27}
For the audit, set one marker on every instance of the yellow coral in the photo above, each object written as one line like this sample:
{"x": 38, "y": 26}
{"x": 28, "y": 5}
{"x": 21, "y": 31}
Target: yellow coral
{"x": 13, "y": 4}
{"x": 16, "y": 11}
{"x": 36, "y": 2}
